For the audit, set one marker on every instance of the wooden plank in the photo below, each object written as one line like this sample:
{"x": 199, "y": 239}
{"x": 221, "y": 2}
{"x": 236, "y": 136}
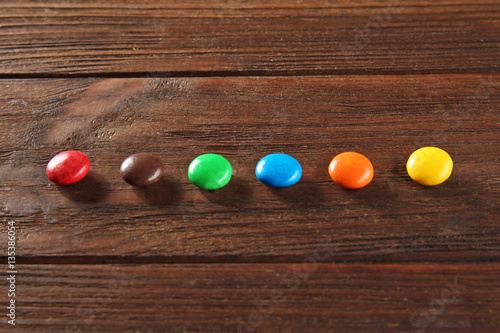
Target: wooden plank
{"x": 269, "y": 37}
{"x": 312, "y": 118}
{"x": 258, "y": 298}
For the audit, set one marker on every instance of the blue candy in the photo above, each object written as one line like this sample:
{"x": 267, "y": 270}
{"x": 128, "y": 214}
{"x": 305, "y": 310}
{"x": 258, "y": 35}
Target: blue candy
{"x": 278, "y": 170}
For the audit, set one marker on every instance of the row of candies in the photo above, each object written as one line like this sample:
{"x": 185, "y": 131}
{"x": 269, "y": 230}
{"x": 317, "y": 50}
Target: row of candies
{"x": 428, "y": 166}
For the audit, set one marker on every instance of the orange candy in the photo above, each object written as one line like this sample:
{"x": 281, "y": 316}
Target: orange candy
{"x": 351, "y": 170}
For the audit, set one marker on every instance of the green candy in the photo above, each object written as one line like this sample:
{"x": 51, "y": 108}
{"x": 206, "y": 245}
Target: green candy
{"x": 210, "y": 171}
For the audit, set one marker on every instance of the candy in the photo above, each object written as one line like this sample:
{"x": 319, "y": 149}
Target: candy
{"x": 351, "y": 170}
{"x": 429, "y": 166}
{"x": 141, "y": 169}
{"x": 68, "y": 167}
{"x": 278, "y": 170}
{"x": 210, "y": 171}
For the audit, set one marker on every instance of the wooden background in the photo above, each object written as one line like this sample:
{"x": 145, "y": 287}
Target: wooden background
{"x": 245, "y": 79}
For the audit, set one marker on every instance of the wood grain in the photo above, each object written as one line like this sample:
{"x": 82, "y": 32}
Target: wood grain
{"x": 259, "y": 298}
{"x": 103, "y": 219}
{"x": 220, "y": 37}
{"x": 244, "y": 79}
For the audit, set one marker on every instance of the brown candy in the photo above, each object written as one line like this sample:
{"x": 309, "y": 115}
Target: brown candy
{"x": 141, "y": 169}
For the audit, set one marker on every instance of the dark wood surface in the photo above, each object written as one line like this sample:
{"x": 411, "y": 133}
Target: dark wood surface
{"x": 244, "y": 119}
{"x": 268, "y": 297}
{"x": 183, "y": 78}
{"x": 231, "y": 37}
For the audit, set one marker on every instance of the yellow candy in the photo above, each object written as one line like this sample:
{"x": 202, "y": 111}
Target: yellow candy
{"x": 429, "y": 166}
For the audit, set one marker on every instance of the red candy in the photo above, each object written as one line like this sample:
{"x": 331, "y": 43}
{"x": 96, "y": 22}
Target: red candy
{"x": 68, "y": 167}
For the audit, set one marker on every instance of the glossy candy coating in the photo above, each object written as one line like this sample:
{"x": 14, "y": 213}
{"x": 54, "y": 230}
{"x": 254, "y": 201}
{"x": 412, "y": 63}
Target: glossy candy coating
{"x": 141, "y": 169}
{"x": 68, "y": 167}
{"x": 278, "y": 170}
{"x": 429, "y": 166}
{"x": 210, "y": 171}
{"x": 351, "y": 170}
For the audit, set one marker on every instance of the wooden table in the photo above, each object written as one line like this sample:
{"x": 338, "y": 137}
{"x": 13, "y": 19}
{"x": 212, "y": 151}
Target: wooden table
{"x": 244, "y": 79}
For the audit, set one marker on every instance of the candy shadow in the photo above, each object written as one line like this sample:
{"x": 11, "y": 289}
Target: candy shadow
{"x": 378, "y": 192}
{"x": 413, "y": 189}
{"x": 235, "y": 193}
{"x": 305, "y": 193}
{"x": 90, "y": 190}
{"x": 399, "y": 169}
{"x": 163, "y": 192}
